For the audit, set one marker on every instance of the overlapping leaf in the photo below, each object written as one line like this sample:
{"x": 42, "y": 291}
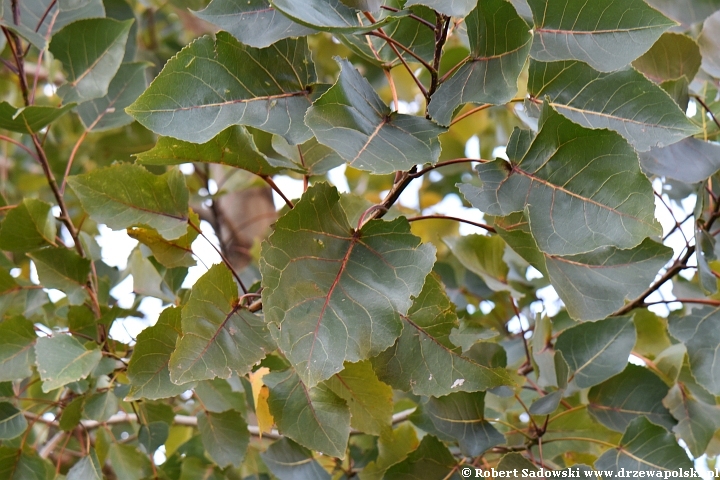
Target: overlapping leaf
{"x": 432, "y": 459}
{"x": 690, "y": 160}
{"x": 170, "y": 253}
{"x": 455, "y": 8}
{"x": 634, "y": 392}
{"x": 12, "y": 421}
{"x": 699, "y": 330}
{"x": 583, "y": 188}
{"x": 687, "y": 12}
{"x": 63, "y": 269}
{"x": 607, "y": 34}
{"x": 697, "y": 420}
{"x": 148, "y": 367}
{"x": 709, "y": 41}
{"x": 255, "y": 22}
{"x": 62, "y": 359}
{"x": 125, "y": 195}
{"x": 423, "y": 359}
{"x": 213, "y": 84}
{"x": 219, "y": 335}
{"x": 327, "y": 15}
{"x": 483, "y": 255}
{"x": 30, "y": 119}
{"x": 336, "y": 294}
{"x": 500, "y": 42}
{"x": 597, "y": 351}
{"x": 28, "y": 226}
{"x": 91, "y": 51}
{"x": 289, "y": 461}
{"x": 17, "y": 355}
{"x": 312, "y": 416}
{"x": 645, "y": 446}
{"x": 233, "y": 147}
{"x": 673, "y": 56}
{"x": 623, "y": 101}
{"x": 225, "y": 437}
{"x": 351, "y": 119}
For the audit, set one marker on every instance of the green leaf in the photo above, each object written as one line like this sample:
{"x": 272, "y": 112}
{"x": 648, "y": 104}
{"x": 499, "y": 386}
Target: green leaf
{"x": 62, "y": 359}
{"x": 690, "y": 160}
{"x": 686, "y": 12}
{"x": 289, "y": 461}
{"x": 606, "y": 34}
{"x": 652, "y": 334}
{"x": 35, "y": 22}
{"x": 233, "y": 147}
{"x": 72, "y": 414}
{"x": 109, "y": 111}
{"x": 453, "y": 8}
{"x": 327, "y": 15}
{"x": 28, "y": 226}
{"x": 30, "y": 119}
{"x": 634, "y": 392}
{"x": 169, "y": 253}
{"x": 314, "y": 417}
{"x": 124, "y": 195}
{"x": 596, "y": 351}
{"x": 225, "y": 437}
{"x": 87, "y": 468}
{"x": 431, "y": 461}
{"x": 699, "y": 330}
{"x": 17, "y": 355}
{"x": 583, "y": 188}
{"x": 128, "y": 463}
{"x": 644, "y": 446}
{"x": 483, "y": 255}
{"x": 547, "y": 404}
{"x": 336, "y": 294}
{"x": 499, "y": 45}
{"x": 18, "y": 465}
{"x": 218, "y": 396}
{"x": 674, "y": 55}
{"x": 709, "y": 41}
{"x": 219, "y": 335}
{"x": 312, "y": 157}
{"x": 513, "y": 461}
{"x": 370, "y": 401}
{"x": 91, "y": 51}
{"x": 461, "y": 417}
{"x": 63, "y": 269}
{"x": 101, "y": 406}
{"x": 351, "y": 119}
{"x": 697, "y": 421}
{"x": 252, "y": 22}
{"x": 153, "y": 435}
{"x": 623, "y": 101}
{"x": 393, "y": 447}
{"x": 211, "y": 85}
{"x": 12, "y": 421}
{"x": 423, "y": 359}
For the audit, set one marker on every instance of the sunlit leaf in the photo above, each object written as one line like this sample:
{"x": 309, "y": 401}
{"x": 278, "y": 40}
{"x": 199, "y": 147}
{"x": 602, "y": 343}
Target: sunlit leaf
{"x": 30, "y": 119}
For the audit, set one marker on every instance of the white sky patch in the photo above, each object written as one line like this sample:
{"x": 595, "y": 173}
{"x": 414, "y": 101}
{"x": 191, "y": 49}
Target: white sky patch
{"x": 472, "y": 147}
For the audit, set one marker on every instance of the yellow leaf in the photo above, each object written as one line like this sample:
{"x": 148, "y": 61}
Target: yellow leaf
{"x": 260, "y": 397}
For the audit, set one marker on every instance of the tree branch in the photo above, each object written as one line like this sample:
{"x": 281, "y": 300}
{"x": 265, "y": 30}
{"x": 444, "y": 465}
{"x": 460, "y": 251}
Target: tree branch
{"x": 457, "y": 219}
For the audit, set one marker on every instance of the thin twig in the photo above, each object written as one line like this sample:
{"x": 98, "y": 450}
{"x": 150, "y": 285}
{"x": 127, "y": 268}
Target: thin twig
{"x": 18, "y": 144}
{"x": 412, "y": 15}
{"x": 223, "y": 257}
{"x": 274, "y": 186}
{"x": 446, "y": 163}
{"x": 457, "y": 219}
{"x": 392, "y": 42}
{"x": 707, "y": 109}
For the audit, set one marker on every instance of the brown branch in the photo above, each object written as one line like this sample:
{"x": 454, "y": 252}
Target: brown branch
{"x": 707, "y": 109}
{"x": 274, "y": 186}
{"x": 446, "y": 163}
{"x": 441, "y": 32}
{"x": 18, "y": 144}
{"x": 392, "y": 42}
{"x": 457, "y": 219}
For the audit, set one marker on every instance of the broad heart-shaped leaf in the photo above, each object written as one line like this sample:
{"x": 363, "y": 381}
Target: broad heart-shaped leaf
{"x": 233, "y": 147}
{"x": 596, "y": 351}
{"x": 252, "y": 22}
{"x": 691, "y": 160}
{"x": 499, "y": 45}
{"x": 12, "y": 421}
{"x": 335, "y": 294}
{"x": 314, "y": 417}
{"x": 351, "y": 119}
{"x": 63, "y": 269}
{"x": 109, "y": 111}
{"x": 461, "y": 417}
{"x": 453, "y": 8}
{"x": 697, "y": 420}
{"x": 583, "y": 188}
{"x": 634, "y": 392}
{"x": 128, "y": 463}
{"x": 211, "y": 85}
{"x": 225, "y": 437}
{"x": 328, "y": 15}
{"x": 645, "y": 446}
{"x": 28, "y": 226}
{"x": 124, "y": 195}
{"x": 607, "y": 34}
{"x": 623, "y": 101}
{"x": 87, "y": 468}
{"x": 30, "y": 119}
{"x": 148, "y": 367}
{"x": 91, "y": 51}
{"x": 370, "y": 400}
{"x": 674, "y": 55}
{"x": 62, "y": 359}
{"x": 219, "y": 335}
{"x": 17, "y": 355}
{"x": 709, "y": 41}
{"x": 423, "y": 359}
{"x": 169, "y": 253}
{"x": 699, "y": 330}
{"x": 289, "y": 461}
{"x": 431, "y": 460}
